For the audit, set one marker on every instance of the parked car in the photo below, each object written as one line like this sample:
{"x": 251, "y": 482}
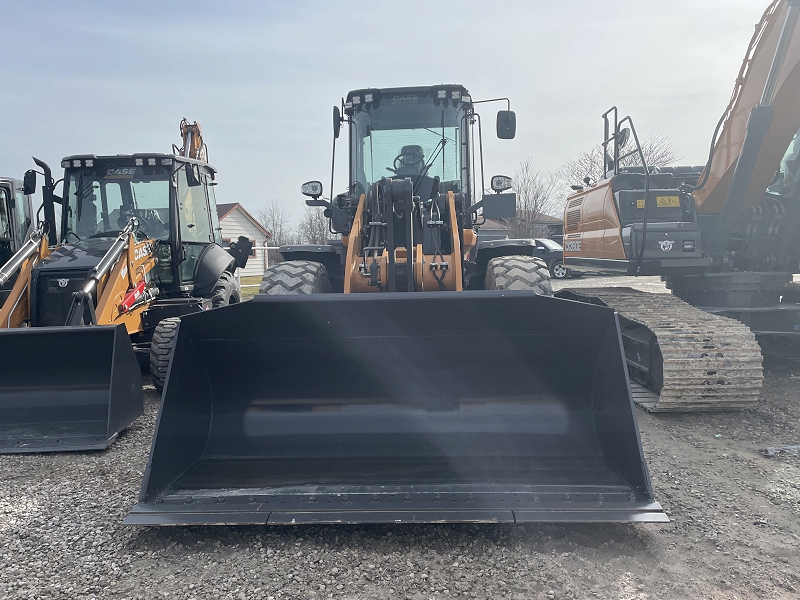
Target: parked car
{"x": 552, "y": 253}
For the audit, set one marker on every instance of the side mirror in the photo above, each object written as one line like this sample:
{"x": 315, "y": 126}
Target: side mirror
{"x": 29, "y": 182}
{"x": 622, "y": 138}
{"x": 506, "y": 124}
{"x": 312, "y": 189}
{"x": 501, "y": 183}
{"x": 337, "y": 122}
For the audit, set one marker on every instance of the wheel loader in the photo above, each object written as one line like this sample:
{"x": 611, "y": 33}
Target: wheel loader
{"x": 138, "y": 246}
{"x": 724, "y": 236}
{"x": 402, "y": 372}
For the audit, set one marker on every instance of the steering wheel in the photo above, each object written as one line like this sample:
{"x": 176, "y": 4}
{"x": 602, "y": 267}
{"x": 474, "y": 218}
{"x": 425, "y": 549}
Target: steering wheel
{"x": 409, "y": 161}
{"x": 149, "y": 220}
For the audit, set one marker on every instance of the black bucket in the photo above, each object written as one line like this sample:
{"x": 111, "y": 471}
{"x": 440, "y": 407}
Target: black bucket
{"x": 66, "y": 388}
{"x": 373, "y": 408}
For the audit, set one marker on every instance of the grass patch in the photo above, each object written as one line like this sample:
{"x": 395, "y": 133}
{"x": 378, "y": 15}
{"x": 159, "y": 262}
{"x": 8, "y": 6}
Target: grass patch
{"x": 249, "y": 292}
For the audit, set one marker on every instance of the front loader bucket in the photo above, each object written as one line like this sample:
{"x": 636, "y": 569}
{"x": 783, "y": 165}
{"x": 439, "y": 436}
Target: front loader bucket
{"x": 385, "y": 408}
{"x": 66, "y": 388}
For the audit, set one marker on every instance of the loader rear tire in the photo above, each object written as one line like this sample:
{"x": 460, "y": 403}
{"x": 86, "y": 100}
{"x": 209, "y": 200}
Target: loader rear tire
{"x": 161, "y": 347}
{"x": 295, "y": 277}
{"x": 518, "y": 273}
{"x": 226, "y": 291}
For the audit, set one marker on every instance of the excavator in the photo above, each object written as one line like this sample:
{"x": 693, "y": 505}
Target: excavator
{"x": 725, "y": 237}
{"x": 404, "y": 371}
{"x": 100, "y": 296}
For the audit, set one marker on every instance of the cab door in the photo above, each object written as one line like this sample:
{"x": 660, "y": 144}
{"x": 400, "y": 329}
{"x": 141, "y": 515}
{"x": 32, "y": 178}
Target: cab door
{"x": 195, "y": 225}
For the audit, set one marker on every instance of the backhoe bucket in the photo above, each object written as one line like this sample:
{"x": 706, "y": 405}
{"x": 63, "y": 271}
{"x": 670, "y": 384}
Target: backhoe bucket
{"x": 66, "y": 388}
{"x": 387, "y": 408}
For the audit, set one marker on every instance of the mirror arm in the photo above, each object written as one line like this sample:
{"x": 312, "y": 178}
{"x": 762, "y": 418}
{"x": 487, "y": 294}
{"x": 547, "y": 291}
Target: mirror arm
{"x": 508, "y": 102}
{"x": 327, "y": 204}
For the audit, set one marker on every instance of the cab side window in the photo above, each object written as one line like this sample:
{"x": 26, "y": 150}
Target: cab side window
{"x": 22, "y": 212}
{"x": 193, "y": 208}
{"x": 5, "y": 223}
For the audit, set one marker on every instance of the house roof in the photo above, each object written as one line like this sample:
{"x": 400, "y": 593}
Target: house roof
{"x": 223, "y": 210}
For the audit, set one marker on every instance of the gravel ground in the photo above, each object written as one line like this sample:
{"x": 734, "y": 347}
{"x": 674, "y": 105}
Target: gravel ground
{"x": 734, "y": 530}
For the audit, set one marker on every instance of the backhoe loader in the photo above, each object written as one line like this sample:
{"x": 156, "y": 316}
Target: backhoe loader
{"x": 138, "y": 246}
{"x": 401, "y": 373}
{"x": 725, "y": 237}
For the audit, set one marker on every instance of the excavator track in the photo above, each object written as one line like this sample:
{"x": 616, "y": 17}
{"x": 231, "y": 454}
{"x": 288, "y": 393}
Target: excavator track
{"x": 691, "y": 360}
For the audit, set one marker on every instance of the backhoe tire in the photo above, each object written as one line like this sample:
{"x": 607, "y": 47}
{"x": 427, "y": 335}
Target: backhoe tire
{"x": 295, "y": 277}
{"x": 226, "y": 291}
{"x": 161, "y": 347}
{"x": 518, "y": 273}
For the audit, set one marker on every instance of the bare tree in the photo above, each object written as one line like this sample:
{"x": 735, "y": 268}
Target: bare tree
{"x": 657, "y": 150}
{"x": 277, "y": 222}
{"x": 536, "y": 199}
{"x": 313, "y": 228}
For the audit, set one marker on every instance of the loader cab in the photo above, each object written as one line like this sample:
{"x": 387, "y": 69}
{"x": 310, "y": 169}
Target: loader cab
{"x": 172, "y": 196}
{"x": 408, "y": 132}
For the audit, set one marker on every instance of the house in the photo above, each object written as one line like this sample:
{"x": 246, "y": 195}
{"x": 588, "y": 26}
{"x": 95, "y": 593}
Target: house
{"x": 234, "y": 221}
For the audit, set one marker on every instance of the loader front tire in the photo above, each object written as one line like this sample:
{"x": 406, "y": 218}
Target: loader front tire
{"x": 226, "y": 291}
{"x": 518, "y": 273}
{"x": 161, "y": 347}
{"x": 295, "y": 277}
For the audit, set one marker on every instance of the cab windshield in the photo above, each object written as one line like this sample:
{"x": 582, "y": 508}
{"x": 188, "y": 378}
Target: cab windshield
{"x": 98, "y": 202}
{"x": 407, "y": 137}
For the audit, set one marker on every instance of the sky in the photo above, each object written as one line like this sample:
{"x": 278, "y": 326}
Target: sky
{"x": 262, "y": 77}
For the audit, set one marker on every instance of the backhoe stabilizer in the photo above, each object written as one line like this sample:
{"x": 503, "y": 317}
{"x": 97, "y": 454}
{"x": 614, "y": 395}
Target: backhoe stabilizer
{"x": 395, "y": 407}
{"x": 66, "y": 388}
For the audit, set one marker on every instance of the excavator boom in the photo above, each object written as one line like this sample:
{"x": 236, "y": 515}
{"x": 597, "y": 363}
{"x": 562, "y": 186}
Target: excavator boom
{"x": 749, "y": 92}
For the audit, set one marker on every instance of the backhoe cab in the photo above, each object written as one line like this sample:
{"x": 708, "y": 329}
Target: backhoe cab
{"x": 15, "y": 224}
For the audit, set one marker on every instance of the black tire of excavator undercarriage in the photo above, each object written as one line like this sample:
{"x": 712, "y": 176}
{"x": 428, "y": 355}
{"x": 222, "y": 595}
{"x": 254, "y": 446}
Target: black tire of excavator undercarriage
{"x": 518, "y": 273}
{"x": 295, "y": 277}
{"x": 161, "y": 347}
{"x": 226, "y": 291}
